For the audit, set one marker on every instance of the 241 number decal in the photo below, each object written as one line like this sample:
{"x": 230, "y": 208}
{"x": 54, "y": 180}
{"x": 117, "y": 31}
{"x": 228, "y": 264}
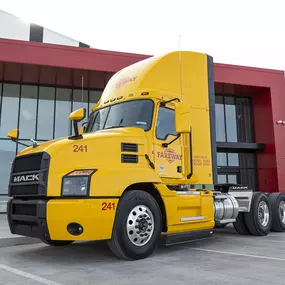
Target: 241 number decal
{"x": 80, "y": 148}
{"x": 108, "y": 206}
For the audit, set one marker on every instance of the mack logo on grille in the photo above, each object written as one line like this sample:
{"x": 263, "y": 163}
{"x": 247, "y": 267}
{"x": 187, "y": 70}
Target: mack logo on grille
{"x": 26, "y": 178}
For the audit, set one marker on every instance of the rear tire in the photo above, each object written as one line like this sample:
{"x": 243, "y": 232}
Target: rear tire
{"x": 259, "y": 219}
{"x": 277, "y": 204}
{"x": 57, "y": 242}
{"x": 240, "y": 225}
{"x": 137, "y": 226}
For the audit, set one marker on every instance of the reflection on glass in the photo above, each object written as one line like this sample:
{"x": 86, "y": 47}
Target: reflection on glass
{"x": 231, "y": 122}
{"x": 222, "y": 159}
{"x": 45, "y": 113}
{"x": 232, "y": 178}
{"x": 136, "y": 113}
{"x": 233, "y": 159}
{"x": 165, "y": 123}
{"x": 222, "y": 178}
{"x": 220, "y": 119}
{"x": 80, "y": 101}
{"x": 28, "y": 110}
{"x": 7, "y": 154}
{"x": 9, "y": 109}
{"x": 62, "y": 111}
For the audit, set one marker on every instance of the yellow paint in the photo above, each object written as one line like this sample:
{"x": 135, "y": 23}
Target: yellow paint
{"x": 97, "y": 223}
{"x": 77, "y": 115}
{"x": 156, "y": 79}
{"x": 13, "y": 134}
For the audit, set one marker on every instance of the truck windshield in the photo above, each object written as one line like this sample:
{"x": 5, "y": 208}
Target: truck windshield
{"x": 137, "y": 113}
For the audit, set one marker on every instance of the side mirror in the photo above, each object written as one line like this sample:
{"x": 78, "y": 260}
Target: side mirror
{"x": 13, "y": 134}
{"x": 182, "y": 118}
{"x": 77, "y": 116}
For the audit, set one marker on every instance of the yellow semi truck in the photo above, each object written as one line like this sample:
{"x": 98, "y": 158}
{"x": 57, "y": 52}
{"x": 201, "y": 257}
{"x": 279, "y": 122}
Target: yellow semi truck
{"x": 141, "y": 172}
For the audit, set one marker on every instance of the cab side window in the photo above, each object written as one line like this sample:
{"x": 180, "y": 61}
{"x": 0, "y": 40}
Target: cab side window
{"x": 165, "y": 123}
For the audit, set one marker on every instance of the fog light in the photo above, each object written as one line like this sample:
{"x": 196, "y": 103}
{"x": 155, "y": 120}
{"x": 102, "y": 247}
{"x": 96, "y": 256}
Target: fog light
{"x": 75, "y": 229}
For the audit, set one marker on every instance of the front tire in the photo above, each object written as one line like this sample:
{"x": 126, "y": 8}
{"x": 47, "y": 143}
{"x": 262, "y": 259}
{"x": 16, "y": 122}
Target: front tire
{"x": 137, "y": 226}
{"x": 259, "y": 219}
{"x": 277, "y": 203}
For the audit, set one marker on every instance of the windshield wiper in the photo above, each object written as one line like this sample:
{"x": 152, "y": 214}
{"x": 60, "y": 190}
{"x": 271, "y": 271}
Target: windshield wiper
{"x": 113, "y": 127}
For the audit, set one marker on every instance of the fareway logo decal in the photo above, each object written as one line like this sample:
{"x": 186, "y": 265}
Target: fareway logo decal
{"x": 170, "y": 155}
{"x": 26, "y": 178}
{"x": 124, "y": 81}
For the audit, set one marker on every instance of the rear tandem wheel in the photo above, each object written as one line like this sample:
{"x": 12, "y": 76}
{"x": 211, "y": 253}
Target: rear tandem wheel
{"x": 259, "y": 220}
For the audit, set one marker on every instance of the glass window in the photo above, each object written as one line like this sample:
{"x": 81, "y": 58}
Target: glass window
{"x": 165, "y": 123}
{"x": 9, "y": 108}
{"x": 99, "y": 119}
{"x": 79, "y": 100}
{"x": 45, "y": 113}
{"x": 222, "y": 178}
{"x": 28, "y": 109}
{"x": 231, "y": 121}
{"x": 220, "y": 119}
{"x": 232, "y": 178}
{"x": 136, "y": 113}
{"x": 7, "y": 154}
{"x": 62, "y": 111}
{"x": 233, "y": 159}
{"x": 222, "y": 159}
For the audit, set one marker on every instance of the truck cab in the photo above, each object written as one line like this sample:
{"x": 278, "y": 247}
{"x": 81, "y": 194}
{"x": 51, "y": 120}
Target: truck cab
{"x": 143, "y": 169}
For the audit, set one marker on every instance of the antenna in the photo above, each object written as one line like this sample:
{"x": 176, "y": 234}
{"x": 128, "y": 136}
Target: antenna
{"x": 180, "y": 62}
{"x": 82, "y": 89}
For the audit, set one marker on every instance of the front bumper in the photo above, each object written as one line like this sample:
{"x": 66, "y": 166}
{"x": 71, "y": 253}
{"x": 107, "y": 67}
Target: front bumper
{"x": 49, "y": 219}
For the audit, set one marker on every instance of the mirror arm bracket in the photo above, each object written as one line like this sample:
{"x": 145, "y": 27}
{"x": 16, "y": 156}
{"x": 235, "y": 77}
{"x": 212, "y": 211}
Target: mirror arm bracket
{"x": 163, "y": 103}
{"x": 167, "y": 144}
{"x": 76, "y": 136}
{"x": 17, "y": 141}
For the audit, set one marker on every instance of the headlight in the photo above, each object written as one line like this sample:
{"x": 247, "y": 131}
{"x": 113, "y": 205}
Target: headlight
{"x": 77, "y": 183}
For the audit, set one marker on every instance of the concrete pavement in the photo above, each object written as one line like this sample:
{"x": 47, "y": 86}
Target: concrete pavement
{"x": 227, "y": 258}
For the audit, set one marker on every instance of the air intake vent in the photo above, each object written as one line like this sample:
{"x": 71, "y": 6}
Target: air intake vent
{"x": 129, "y": 158}
{"x": 129, "y": 147}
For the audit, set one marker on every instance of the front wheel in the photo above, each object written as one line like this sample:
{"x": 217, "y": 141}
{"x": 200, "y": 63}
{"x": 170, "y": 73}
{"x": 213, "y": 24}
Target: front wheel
{"x": 137, "y": 226}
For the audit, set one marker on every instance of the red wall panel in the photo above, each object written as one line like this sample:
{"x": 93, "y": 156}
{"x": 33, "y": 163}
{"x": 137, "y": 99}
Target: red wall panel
{"x": 97, "y": 79}
{"x": 30, "y": 74}
{"x": 268, "y": 106}
{"x": 12, "y": 72}
{"x": 63, "y": 77}
{"x": 47, "y": 75}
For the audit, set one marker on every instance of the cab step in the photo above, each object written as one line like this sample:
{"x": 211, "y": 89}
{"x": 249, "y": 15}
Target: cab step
{"x": 171, "y": 239}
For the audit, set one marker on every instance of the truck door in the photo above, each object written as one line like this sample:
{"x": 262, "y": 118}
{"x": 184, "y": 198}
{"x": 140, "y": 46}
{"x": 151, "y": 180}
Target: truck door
{"x": 168, "y": 160}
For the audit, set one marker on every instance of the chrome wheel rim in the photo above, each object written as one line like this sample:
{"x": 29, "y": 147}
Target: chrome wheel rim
{"x": 282, "y": 211}
{"x": 140, "y": 225}
{"x": 263, "y": 213}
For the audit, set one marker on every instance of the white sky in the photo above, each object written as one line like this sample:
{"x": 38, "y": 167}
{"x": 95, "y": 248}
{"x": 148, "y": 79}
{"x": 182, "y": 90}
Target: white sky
{"x": 243, "y": 32}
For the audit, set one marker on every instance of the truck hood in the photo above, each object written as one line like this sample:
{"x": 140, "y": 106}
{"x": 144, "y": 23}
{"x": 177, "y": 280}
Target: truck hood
{"x": 125, "y": 134}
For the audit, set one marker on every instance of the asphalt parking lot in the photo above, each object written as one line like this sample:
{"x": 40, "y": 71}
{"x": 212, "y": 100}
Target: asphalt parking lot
{"x": 227, "y": 258}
